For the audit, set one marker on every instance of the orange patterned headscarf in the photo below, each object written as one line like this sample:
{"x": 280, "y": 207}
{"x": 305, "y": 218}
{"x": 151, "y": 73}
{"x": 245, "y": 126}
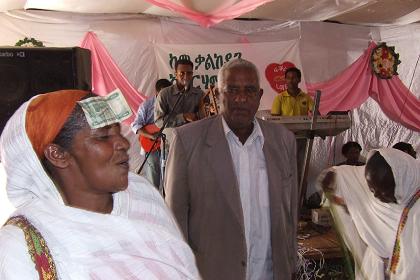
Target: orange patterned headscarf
{"x": 46, "y": 115}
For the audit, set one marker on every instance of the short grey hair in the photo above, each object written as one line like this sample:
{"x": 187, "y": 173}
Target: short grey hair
{"x": 235, "y": 63}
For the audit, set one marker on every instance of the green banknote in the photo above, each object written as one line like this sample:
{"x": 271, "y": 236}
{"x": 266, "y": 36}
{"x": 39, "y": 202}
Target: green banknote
{"x": 101, "y": 111}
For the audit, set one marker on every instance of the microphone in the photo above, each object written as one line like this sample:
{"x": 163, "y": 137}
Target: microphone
{"x": 188, "y": 86}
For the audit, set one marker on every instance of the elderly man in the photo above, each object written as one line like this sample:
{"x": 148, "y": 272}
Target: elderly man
{"x": 231, "y": 183}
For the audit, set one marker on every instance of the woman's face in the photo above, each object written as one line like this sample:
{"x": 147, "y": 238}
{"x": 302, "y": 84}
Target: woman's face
{"x": 380, "y": 179}
{"x": 382, "y": 189}
{"x": 100, "y": 158}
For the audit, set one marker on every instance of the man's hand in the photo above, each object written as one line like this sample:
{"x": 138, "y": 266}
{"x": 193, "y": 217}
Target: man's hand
{"x": 154, "y": 136}
{"x": 190, "y": 117}
{"x": 143, "y": 132}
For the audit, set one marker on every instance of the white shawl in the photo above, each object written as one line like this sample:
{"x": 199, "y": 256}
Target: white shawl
{"x": 138, "y": 240}
{"x": 406, "y": 172}
{"x": 377, "y": 222}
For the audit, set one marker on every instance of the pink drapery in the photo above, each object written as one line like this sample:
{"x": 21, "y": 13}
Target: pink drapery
{"x": 225, "y": 12}
{"x": 106, "y": 76}
{"x": 350, "y": 88}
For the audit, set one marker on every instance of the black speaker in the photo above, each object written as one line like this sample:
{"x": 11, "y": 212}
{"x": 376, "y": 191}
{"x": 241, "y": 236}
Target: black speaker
{"x": 25, "y": 72}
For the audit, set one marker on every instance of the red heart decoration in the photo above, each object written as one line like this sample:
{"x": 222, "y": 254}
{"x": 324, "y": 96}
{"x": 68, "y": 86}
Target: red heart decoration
{"x": 274, "y": 73}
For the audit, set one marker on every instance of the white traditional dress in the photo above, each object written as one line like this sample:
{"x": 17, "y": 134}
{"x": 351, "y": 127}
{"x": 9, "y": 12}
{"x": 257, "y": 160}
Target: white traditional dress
{"x": 405, "y": 260}
{"x": 370, "y": 226}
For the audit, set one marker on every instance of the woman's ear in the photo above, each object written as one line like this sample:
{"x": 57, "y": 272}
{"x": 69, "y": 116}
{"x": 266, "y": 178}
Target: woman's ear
{"x": 56, "y": 155}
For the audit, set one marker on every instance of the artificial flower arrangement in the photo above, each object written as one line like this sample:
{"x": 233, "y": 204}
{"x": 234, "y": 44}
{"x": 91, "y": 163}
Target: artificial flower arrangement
{"x": 384, "y": 61}
{"x": 29, "y": 42}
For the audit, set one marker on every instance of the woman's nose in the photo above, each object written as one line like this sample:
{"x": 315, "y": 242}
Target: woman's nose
{"x": 122, "y": 143}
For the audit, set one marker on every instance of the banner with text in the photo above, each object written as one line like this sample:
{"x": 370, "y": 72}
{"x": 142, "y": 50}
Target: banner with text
{"x": 271, "y": 59}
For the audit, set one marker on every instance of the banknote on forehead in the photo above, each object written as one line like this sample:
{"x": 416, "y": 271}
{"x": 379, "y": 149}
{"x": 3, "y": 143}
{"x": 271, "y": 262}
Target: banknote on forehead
{"x": 101, "y": 111}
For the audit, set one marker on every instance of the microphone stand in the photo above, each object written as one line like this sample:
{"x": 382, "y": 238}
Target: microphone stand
{"x": 162, "y": 136}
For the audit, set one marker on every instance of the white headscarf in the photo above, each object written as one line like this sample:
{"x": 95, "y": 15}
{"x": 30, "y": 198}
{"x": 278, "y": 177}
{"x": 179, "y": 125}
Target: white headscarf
{"x": 406, "y": 170}
{"x": 138, "y": 240}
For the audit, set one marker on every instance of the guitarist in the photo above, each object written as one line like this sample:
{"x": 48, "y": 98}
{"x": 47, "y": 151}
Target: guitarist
{"x": 144, "y": 126}
{"x": 189, "y": 99}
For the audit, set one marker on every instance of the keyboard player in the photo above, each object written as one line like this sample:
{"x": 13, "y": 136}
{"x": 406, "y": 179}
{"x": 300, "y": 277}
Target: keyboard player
{"x": 294, "y": 102}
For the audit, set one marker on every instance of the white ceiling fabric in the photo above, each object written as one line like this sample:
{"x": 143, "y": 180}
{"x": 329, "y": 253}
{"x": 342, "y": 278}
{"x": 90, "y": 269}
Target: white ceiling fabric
{"x": 365, "y": 12}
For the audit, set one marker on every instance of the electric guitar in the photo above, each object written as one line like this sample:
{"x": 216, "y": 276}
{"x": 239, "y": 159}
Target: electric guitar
{"x": 146, "y": 142}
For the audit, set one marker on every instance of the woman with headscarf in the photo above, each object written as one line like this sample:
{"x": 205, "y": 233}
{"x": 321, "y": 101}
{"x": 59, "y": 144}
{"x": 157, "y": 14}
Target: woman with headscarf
{"x": 371, "y": 224}
{"x": 80, "y": 213}
{"x": 394, "y": 178}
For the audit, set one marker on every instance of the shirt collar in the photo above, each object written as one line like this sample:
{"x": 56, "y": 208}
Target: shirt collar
{"x": 176, "y": 91}
{"x": 255, "y": 134}
{"x": 286, "y": 93}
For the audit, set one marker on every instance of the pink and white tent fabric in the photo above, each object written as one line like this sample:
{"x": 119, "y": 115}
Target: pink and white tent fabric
{"x": 106, "y": 76}
{"x": 349, "y": 89}
{"x": 208, "y": 13}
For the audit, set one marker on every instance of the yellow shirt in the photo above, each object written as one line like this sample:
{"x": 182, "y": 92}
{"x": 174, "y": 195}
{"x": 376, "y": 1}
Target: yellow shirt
{"x": 286, "y": 105}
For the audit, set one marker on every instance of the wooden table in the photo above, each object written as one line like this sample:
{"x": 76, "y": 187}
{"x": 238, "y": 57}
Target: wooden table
{"x": 324, "y": 240}
{"x": 322, "y": 256}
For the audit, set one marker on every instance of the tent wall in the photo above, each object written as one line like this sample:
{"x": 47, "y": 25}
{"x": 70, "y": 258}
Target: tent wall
{"x": 325, "y": 50}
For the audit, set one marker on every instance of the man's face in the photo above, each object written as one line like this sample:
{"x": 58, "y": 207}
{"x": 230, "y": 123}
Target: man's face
{"x": 241, "y": 97}
{"x": 292, "y": 80}
{"x": 183, "y": 74}
{"x": 353, "y": 154}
